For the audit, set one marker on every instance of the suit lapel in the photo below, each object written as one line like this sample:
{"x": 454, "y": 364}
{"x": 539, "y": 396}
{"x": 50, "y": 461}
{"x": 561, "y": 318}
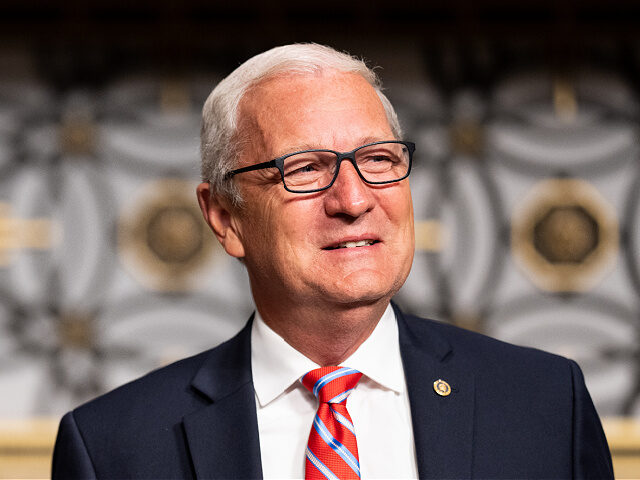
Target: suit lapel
{"x": 442, "y": 425}
{"x": 223, "y": 436}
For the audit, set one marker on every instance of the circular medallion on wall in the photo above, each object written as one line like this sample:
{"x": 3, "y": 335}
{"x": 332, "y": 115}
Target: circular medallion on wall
{"x": 564, "y": 235}
{"x": 162, "y": 239}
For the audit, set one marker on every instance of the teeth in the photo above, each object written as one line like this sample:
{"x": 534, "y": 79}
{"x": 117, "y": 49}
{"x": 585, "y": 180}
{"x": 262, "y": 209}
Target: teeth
{"x": 360, "y": 243}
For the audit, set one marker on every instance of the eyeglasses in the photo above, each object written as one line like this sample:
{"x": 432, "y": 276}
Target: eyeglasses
{"x": 315, "y": 170}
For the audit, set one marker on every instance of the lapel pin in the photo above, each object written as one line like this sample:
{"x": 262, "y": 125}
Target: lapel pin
{"x": 441, "y": 387}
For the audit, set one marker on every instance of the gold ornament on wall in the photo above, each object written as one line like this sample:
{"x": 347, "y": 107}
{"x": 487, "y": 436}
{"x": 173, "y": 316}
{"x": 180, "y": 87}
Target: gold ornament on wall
{"x": 163, "y": 240}
{"x": 22, "y": 233}
{"x": 467, "y": 137}
{"x": 77, "y": 330}
{"x": 564, "y": 235}
{"x": 77, "y": 133}
{"x": 174, "y": 96}
{"x": 565, "y": 102}
{"x": 430, "y": 236}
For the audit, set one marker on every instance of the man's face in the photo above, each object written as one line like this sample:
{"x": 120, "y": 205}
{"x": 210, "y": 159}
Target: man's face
{"x": 290, "y": 240}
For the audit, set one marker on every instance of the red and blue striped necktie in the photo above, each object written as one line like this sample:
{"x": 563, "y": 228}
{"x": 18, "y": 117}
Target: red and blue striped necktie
{"x": 332, "y": 452}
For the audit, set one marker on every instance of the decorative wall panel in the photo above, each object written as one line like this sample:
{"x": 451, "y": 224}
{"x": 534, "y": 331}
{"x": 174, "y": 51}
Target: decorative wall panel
{"x": 536, "y": 193}
{"x": 527, "y": 228}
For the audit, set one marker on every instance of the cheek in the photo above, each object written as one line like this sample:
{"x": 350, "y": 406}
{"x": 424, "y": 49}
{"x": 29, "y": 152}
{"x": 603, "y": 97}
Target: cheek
{"x": 399, "y": 211}
{"x": 257, "y": 231}
{"x": 286, "y": 235}
{"x": 398, "y": 208}
{"x": 299, "y": 220}
{"x": 410, "y": 226}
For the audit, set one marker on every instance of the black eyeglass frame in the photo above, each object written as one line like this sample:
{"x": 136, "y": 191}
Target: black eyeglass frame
{"x": 351, "y": 156}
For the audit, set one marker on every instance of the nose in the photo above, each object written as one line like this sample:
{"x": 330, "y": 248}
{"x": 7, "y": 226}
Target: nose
{"x": 348, "y": 195}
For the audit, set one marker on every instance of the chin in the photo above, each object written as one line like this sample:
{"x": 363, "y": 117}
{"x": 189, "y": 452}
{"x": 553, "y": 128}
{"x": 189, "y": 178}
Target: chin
{"x": 362, "y": 290}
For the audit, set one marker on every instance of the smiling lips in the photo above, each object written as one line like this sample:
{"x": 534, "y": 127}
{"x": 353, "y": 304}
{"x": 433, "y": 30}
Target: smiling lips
{"x": 352, "y": 244}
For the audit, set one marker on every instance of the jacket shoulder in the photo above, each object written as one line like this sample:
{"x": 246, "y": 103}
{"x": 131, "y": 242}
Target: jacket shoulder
{"x": 167, "y": 393}
{"x": 136, "y": 430}
{"x": 472, "y": 346}
{"x": 525, "y": 400}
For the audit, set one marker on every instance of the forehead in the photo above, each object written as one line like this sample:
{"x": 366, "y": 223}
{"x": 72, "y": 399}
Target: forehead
{"x": 329, "y": 109}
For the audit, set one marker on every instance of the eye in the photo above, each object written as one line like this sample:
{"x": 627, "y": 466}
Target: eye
{"x": 379, "y": 158}
{"x": 377, "y": 162}
{"x": 308, "y": 164}
{"x": 299, "y": 168}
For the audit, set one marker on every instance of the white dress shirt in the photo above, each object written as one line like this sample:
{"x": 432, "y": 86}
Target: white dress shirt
{"x": 379, "y": 404}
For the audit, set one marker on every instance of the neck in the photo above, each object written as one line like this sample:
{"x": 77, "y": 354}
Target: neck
{"x": 327, "y": 336}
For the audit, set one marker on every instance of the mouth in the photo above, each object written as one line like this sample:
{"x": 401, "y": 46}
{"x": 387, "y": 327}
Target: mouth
{"x": 353, "y": 244}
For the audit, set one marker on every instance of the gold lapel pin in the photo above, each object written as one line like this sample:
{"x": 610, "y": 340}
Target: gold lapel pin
{"x": 441, "y": 387}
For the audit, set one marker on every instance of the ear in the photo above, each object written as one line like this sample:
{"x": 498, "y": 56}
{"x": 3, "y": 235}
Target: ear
{"x": 219, "y": 215}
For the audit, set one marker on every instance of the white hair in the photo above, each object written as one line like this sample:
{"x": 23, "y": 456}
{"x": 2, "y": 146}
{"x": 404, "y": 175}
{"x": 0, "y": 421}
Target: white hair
{"x": 220, "y": 139}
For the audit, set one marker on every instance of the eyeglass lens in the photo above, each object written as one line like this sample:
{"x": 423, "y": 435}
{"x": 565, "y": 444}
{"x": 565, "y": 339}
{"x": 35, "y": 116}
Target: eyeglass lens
{"x": 379, "y": 163}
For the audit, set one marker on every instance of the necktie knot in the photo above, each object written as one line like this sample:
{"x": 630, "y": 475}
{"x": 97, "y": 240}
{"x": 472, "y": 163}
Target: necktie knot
{"x": 331, "y": 384}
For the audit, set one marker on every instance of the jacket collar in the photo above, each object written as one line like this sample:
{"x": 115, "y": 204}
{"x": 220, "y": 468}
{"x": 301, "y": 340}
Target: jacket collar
{"x": 223, "y": 436}
{"x": 442, "y": 425}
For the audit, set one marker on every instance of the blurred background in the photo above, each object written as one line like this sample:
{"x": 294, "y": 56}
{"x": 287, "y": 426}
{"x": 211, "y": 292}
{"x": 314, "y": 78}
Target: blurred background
{"x": 526, "y": 186}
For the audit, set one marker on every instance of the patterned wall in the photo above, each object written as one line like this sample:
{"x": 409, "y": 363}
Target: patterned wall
{"x": 526, "y": 200}
{"x": 107, "y": 269}
{"x": 533, "y": 193}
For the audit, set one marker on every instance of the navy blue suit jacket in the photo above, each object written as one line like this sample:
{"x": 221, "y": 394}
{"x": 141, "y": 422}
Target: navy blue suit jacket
{"x": 513, "y": 413}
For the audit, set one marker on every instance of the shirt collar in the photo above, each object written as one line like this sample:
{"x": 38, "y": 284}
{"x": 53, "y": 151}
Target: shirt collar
{"x": 276, "y": 365}
{"x": 379, "y": 355}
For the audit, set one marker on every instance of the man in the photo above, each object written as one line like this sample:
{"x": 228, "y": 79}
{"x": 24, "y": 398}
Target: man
{"x": 305, "y": 181}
